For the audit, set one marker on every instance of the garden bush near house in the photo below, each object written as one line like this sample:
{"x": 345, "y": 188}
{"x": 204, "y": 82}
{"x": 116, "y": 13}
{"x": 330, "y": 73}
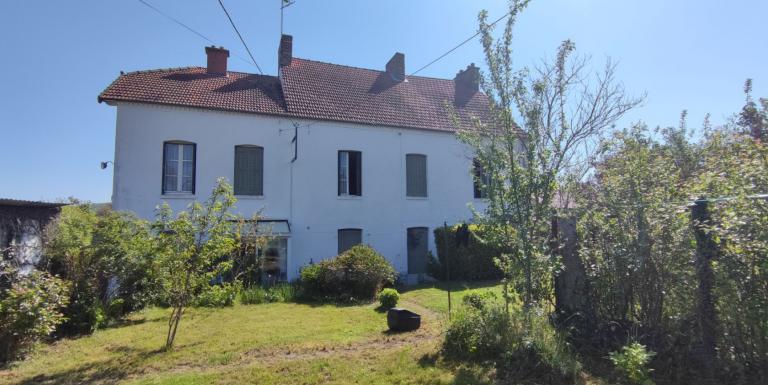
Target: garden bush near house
{"x": 388, "y": 298}
{"x": 462, "y": 255}
{"x": 218, "y": 295}
{"x": 282, "y": 292}
{"x": 355, "y": 275}
{"x": 30, "y": 309}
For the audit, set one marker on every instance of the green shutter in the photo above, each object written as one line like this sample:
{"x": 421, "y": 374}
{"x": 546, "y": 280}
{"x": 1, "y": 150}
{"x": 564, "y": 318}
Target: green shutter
{"x": 349, "y": 238}
{"x": 416, "y": 175}
{"x": 249, "y": 170}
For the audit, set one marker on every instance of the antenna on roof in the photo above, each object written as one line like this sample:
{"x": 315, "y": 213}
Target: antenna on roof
{"x": 283, "y": 5}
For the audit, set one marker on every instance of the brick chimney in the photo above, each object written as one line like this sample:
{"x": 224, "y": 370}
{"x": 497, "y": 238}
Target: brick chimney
{"x": 396, "y": 67}
{"x": 285, "y": 52}
{"x": 466, "y": 84}
{"x": 217, "y": 60}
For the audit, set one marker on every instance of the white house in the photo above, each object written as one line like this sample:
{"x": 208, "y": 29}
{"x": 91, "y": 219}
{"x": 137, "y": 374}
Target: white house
{"x": 331, "y": 155}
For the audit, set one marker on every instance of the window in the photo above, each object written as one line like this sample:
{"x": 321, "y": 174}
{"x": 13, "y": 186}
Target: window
{"x": 350, "y": 178}
{"x": 179, "y": 167}
{"x": 349, "y": 238}
{"x": 416, "y": 175}
{"x": 481, "y": 179}
{"x": 274, "y": 261}
{"x": 249, "y": 170}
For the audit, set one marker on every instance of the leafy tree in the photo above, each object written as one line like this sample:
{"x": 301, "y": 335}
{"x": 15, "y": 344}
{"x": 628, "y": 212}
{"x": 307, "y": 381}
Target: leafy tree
{"x": 753, "y": 119}
{"x": 544, "y": 122}
{"x": 107, "y": 258}
{"x": 30, "y": 308}
{"x": 193, "y": 245}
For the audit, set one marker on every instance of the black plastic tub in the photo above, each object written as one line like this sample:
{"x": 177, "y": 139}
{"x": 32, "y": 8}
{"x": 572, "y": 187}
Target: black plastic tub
{"x": 401, "y": 320}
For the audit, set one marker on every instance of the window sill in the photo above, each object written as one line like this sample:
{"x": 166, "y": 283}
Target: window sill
{"x": 177, "y": 196}
{"x": 417, "y": 198}
{"x": 249, "y": 197}
{"x": 349, "y": 197}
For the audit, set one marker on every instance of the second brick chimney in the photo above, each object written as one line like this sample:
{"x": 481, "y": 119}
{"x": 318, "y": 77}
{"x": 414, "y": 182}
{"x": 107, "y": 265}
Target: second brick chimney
{"x": 396, "y": 67}
{"x": 285, "y": 52}
{"x": 217, "y": 60}
{"x": 466, "y": 84}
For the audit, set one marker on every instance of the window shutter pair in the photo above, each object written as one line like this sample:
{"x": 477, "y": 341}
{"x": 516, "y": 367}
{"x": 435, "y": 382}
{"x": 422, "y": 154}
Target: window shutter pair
{"x": 249, "y": 170}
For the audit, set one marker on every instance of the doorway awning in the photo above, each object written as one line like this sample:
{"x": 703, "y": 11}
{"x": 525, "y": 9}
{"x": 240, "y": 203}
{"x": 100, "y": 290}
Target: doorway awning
{"x": 273, "y": 227}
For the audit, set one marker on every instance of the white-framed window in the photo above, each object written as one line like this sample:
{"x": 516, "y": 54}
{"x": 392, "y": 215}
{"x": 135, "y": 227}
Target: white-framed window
{"x": 350, "y": 173}
{"x": 416, "y": 175}
{"x": 179, "y": 167}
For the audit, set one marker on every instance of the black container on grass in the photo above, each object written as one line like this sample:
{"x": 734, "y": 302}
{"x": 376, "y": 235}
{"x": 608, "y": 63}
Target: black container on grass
{"x": 402, "y": 320}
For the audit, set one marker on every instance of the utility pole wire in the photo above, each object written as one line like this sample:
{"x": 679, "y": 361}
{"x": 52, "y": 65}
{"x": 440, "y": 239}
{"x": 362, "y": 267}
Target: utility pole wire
{"x": 188, "y": 28}
{"x": 240, "y": 36}
{"x": 459, "y": 45}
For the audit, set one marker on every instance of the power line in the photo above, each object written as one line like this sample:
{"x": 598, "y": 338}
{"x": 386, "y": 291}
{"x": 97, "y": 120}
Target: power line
{"x": 169, "y": 17}
{"x": 188, "y": 28}
{"x": 240, "y": 36}
{"x": 459, "y": 45}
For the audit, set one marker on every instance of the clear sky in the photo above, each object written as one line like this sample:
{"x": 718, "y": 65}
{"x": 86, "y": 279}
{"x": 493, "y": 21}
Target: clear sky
{"x": 58, "y": 55}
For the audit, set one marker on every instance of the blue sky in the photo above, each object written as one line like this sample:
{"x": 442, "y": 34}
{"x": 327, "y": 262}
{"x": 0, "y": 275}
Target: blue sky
{"x": 58, "y": 55}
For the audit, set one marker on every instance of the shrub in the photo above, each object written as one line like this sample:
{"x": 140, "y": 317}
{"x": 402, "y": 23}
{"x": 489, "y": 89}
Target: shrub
{"x": 282, "y": 292}
{"x": 478, "y": 299}
{"x": 253, "y": 295}
{"x": 217, "y": 296}
{"x": 514, "y": 342}
{"x": 467, "y": 256}
{"x": 30, "y": 309}
{"x": 632, "y": 362}
{"x": 388, "y": 298}
{"x": 357, "y": 274}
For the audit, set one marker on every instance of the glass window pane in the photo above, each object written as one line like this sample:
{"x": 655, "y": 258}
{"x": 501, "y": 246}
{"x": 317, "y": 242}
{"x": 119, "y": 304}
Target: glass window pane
{"x": 171, "y": 151}
{"x": 189, "y": 152}
{"x": 343, "y": 172}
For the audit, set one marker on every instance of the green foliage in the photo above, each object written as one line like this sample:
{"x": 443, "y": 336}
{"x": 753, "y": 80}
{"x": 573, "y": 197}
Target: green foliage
{"x": 30, "y": 309}
{"x": 388, "y": 298}
{"x": 357, "y": 274}
{"x": 466, "y": 253}
{"x": 108, "y": 258}
{"x": 632, "y": 362}
{"x": 479, "y": 299}
{"x": 253, "y": 295}
{"x": 282, "y": 292}
{"x": 514, "y": 341}
{"x": 192, "y": 246}
{"x": 217, "y": 295}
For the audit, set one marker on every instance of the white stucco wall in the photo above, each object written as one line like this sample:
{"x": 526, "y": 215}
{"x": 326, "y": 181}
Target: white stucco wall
{"x": 305, "y": 192}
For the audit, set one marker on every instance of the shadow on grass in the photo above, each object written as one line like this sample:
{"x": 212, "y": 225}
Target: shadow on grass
{"x": 463, "y": 374}
{"x": 110, "y": 371}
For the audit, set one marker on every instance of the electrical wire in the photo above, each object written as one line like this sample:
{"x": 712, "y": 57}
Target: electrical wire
{"x": 187, "y": 27}
{"x": 240, "y": 36}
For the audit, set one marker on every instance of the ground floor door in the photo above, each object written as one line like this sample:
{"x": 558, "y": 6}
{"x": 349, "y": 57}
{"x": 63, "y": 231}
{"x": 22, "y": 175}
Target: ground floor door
{"x": 418, "y": 249}
{"x": 274, "y": 261}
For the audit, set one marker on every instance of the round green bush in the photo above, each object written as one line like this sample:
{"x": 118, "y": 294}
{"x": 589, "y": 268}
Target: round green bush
{"x": 357, "y": 274}
{"x": 388, "y": 298}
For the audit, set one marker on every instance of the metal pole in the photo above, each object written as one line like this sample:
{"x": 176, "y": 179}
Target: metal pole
{"x": 447, "y": 265}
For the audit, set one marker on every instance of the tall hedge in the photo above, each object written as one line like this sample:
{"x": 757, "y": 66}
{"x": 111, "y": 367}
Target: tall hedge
{"x": 468, "y": 257}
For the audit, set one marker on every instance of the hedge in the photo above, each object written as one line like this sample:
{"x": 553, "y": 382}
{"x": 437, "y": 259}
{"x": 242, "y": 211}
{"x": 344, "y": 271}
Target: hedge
{"x": 469, "y": 258}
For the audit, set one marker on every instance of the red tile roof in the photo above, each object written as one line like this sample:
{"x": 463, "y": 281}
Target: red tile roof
{"x": 311, "y": 90}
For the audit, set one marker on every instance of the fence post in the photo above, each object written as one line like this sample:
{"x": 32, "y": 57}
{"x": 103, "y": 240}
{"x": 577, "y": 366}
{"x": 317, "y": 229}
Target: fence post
{"x": 706, "y": 317}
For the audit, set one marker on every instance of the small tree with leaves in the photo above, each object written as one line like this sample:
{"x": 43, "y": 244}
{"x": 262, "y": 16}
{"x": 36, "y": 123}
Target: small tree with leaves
{"x": 192, "y": 245}
{"x": 544, "y": 122}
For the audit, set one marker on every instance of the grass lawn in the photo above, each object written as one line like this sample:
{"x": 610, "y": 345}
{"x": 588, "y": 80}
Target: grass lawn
{"x": 281, "y": 343}
{"x": 434, "y": 296}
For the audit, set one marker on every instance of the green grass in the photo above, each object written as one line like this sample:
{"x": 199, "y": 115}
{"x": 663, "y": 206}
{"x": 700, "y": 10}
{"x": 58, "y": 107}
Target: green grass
{"x": 434, "y": 296}
{"x": 277, "y": 343}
